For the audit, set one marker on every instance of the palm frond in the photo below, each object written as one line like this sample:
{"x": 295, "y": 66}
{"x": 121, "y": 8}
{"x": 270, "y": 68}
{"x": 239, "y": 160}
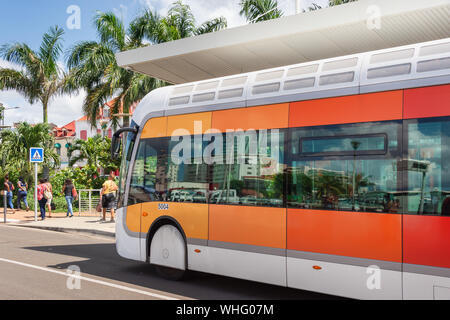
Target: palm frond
{"x": 182, "y": 18}
{"x": 17, "y": 80}
{"x": 51, "y": 49}
{"x": 260, "y": 10}
{"x": 145, "y": 26}
{"x": 110, "y": 29}
{"x": 212, "y": 26}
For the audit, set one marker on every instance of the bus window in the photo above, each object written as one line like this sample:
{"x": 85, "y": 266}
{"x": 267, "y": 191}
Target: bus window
{"x": 250, "y": 175}
{"x": 187, "y": 174}
{"x": 332, "y": 173}
{"x": 428, "y": 166}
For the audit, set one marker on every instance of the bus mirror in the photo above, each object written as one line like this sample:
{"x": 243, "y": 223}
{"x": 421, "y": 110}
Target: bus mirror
{"x": 117, "y": 141}
{"x": 115, "y": 147}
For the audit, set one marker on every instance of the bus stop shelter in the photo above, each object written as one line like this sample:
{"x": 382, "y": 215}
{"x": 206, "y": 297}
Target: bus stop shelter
{"x": 365, "y": 25}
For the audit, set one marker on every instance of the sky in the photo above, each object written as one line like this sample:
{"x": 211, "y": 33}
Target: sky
{"x": 27, "y": 20}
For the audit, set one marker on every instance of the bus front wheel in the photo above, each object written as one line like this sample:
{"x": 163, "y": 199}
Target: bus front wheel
{"x": 168, "y": 252}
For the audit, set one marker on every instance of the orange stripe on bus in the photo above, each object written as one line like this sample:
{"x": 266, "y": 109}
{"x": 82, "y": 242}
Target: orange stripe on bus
{"x": 134, "y": 218}
{"x": 155, "y": 128}
{"x": 188, "y": 123}
{"x": 258, "y": 118}
{"x": 427, "y": 102}
{"x": 262, "y": 226}
{"x": 353, "y": 234}
{"x": 192, "y": 217}
{"x": 350, "y": 109}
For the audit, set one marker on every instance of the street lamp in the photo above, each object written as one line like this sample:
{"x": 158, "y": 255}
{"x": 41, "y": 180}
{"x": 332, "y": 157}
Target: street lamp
{"x": 3, "y": 109}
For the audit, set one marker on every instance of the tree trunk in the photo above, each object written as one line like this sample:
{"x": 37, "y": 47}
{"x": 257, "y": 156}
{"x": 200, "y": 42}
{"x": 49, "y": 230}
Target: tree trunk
{"x": 45, "y": 111}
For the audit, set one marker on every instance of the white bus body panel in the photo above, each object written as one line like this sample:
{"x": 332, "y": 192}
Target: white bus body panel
{"x": 425, "y": 287}
{"x": 127, "y": 247}
{"x": 343, "y": 280}
{"x": 238, "y": 264}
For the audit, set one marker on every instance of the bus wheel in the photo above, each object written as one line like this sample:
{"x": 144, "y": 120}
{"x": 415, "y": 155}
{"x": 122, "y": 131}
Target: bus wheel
{"x": 168, "y": 252}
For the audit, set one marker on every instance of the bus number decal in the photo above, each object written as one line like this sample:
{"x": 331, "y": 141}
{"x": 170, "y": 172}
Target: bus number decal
{"x": 163, "y": 206}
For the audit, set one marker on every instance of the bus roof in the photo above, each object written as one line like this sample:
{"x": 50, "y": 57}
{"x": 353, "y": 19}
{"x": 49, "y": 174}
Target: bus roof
{"x": 418, "y": 65}
{"x": 330, "y": 32}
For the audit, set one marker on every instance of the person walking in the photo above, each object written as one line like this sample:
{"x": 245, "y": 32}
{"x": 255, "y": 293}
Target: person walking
{"x": 41, "y": 189}
{"x": 49, "y": 196}
{"x": 108, "y": 195}
{"x": 22, "y": 194}
{"x": 70, "y": 192}
{"x": 9, "y": 188}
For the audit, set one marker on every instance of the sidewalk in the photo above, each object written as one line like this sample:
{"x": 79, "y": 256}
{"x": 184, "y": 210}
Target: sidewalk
{"x": 85, "y": 224}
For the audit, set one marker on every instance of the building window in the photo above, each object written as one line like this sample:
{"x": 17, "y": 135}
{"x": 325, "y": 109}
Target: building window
{"x": 83, "y": 135}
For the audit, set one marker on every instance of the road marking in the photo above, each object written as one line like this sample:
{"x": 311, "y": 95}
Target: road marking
{"x": 104, "y": 283}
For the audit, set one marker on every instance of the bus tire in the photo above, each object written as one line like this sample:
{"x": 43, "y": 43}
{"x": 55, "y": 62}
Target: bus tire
{"x": 168, "y": 252}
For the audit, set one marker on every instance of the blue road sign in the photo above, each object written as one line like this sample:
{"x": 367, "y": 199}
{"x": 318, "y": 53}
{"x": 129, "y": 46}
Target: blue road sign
{"x": 36, "y": 155}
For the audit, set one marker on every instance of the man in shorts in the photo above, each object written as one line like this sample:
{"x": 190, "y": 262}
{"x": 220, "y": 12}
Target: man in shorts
{"x": 108, "y": 195}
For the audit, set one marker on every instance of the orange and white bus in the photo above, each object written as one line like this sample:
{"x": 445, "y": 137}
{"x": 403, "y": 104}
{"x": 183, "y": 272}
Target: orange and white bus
{"x": 330, "y": 176}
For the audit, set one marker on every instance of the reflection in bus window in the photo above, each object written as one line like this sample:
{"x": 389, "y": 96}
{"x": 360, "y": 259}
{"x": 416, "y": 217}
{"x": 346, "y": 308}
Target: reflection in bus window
{"x": 252, "y": 172}
{"x": 337, "y": 178}
{"x": 428, "y": 167}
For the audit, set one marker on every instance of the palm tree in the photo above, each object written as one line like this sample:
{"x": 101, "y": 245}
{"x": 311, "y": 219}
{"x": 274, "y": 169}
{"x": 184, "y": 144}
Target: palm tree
{"x": 16, "y": 144}
{"x": 260, "y": 10}
{"x": 178, "y": 24}
{"x": 332, "y": 3}
{"x": 39, "y": 78}
{"x": 95, "y": 68}
{"x": 90, "y": 151}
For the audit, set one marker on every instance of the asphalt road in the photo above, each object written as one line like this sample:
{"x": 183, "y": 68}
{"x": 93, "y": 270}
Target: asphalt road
{"x": 34, "y": 264}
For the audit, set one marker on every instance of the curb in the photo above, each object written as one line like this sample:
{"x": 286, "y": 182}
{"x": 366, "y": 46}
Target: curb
{"x": 69, "y": 230}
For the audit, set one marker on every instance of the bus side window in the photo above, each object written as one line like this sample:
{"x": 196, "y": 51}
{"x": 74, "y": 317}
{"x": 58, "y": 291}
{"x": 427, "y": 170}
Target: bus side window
{"x": 187, "y": 175}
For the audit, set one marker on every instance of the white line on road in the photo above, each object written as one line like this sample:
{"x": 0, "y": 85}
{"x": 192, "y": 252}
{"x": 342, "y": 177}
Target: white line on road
{"x": 104, "y": 283}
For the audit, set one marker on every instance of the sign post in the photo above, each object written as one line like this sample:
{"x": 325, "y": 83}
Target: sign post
{"x": 36, "y": 156}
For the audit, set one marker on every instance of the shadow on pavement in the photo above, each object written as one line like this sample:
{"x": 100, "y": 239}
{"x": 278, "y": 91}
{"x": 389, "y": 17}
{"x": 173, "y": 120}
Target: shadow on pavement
{"x": 103, "y": 261}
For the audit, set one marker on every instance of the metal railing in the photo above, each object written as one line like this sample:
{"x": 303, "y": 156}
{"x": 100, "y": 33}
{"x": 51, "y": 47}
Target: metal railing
{"x": 88, "y": 200}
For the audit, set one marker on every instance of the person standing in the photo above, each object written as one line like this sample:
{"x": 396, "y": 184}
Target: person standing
{"x": 22, "y": 194}
{"x": 9, "y": 188}
{"x": 108, "y": 195}
{"x": 70, "y": 192}
{"x": 41, "y": 188}
{"x": 49, "y": 196}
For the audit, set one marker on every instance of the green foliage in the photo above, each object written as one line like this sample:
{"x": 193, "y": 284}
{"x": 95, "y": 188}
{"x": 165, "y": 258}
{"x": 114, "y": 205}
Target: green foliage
{"x": 94, "y": 67}
{"x": 260, "y": 10}
{"x": 40, "y": 77}
{"x": 15, "y": 150}
{"x": 95, "y": 152}
{"x": 339, "y": 2}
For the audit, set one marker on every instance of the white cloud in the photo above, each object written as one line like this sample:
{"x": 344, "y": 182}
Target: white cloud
{"x": 61, "y": 110}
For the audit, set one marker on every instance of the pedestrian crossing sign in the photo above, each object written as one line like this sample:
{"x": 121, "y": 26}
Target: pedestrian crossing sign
{"x": 36, "y": 155}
